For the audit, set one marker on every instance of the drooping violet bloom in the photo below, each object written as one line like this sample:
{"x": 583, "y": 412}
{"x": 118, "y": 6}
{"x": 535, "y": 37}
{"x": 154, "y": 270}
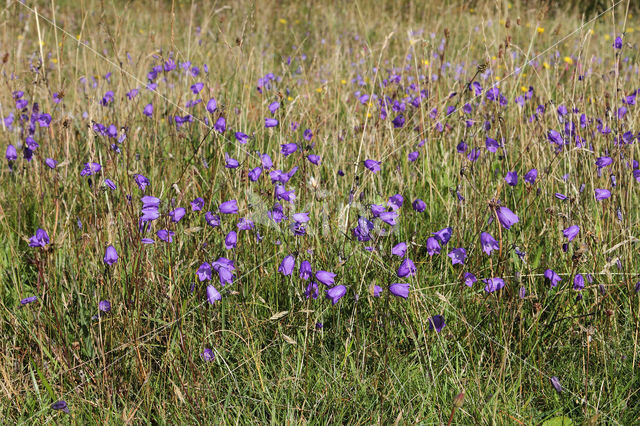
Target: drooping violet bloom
{"x": 213, "y": 295}
{"x": 399, "y": 249}
{"x": 107, "y": 98}
{"x": 362, "y": 230}
{"x": 301, "y": 217}
{"x": 273, "y": 107}
{"x": 398, "y": 122}
{"x": 224, "y": 267}
{"x": 254, "y": 174}
{"x": 231, "y": 240}
{"x": 197, "y": 87}
{"x": 556, "y": 384}
{"x": 110, "y": 255}
{"x": 141, "y": 181}
{"x": 287, "y": 265}
{"x": 177, "y": 214}
{"x": 571, "y": 232}
{"x": 433, "y": 247}
{"x": 326, "y": 278}
{"x": 314, "y": 159}
{"x": 51, "y": 163}
{"x": 311, "y": 292}
{"x": 602, "y": 162}
{"x": 112, "y": 131}
{"x": 283, "y": 194}
{"x": 562, "y": 110}
{"x": 40, "y": 239}
{"x": 230, "y": 163}
{"x": 110, "y": 184}
{"x": 473, "y": 155}
{"x": 436, "y": 323}
{"x": 506, "y": 217}
{"x": 204, "y": 272}
{"x": 443, "y": 235}
{"x": 419, "y": 205}
{"x": 229, "y": 207}
{"x": 377, "y": 210}
{"x": 165, "y": 235}
{"x": 213, "y": 220}
{"x": 288, "y": 148}
{"x": 104, "y": 306}
{"x": 560, "y": 196}
{"x": 493, "y": 284}
{"x": 617, "y": 43}
{"x": 307, "y": 134}
{"x": 375, "y": 290}
{"x": 197, "y": 204}
{"x": 28, "y": 300}
{"x": 469, "y": 279}
{"x": 212, "y": 105}
{"x": 276, "y": 214}
{"x": 407, "y": 268}
{"x": 60, "y": 406}
{"x": 336, "y": 293}
{"x": 511, "y": 178}
{"x": 90, "y": 169}
{"x": 552, "y": 277}
{"x": 148, "y": 110}
{"x": 389, "y": 217}
{"x": 457, "y": 256}
{"x": 150, "y": 208}
{"x": 225, "y": 276}
{"x": 11, "y": 153}
{"x": 208, "y": 355}
{"x": 399, "y": 290}
{"x": 492, "y": 145}
{"x": 372, "y": 165}
{"x": 531, "y": 176}
{"x": 180, "y": 121}
{"x": 267, "y": 162}
{"x": 305, "y": 270}
{"x": 395, "y": 201}
{"x": 243, "y": 138}
{"x": 489, "y": 243}
{"x": 413, "y": 156}
{"x": 245, "y": 224}
{"x": 130, "y": 95}
{"x": 221, "y": 125}
{"x": 578, "y": 282}
{"x": 270, "y": 122}
{"x": 555, "y": 137}
{"x": 602, "y": 194}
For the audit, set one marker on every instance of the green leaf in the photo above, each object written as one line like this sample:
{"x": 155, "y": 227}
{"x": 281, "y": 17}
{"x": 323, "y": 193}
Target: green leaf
{"x": 558, "y": 421}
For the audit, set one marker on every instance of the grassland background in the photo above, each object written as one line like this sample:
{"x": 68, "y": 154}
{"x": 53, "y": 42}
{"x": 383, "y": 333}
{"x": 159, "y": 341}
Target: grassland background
{"x": 374, "y": 360}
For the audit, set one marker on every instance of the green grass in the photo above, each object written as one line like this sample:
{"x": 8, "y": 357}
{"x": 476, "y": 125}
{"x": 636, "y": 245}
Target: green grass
{"x": 375, "y": 359}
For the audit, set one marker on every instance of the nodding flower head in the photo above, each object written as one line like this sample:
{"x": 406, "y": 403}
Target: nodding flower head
{"x": 110, "y": 256}
{"x": 336, "y": 293}
{"x": 399, "y": 290}
{"x": 506, "y": 217}
{"x": 40, "y": 239}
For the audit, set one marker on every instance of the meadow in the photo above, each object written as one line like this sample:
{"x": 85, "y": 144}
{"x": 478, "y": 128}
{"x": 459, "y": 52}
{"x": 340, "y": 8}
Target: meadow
{"x": 347, "y": 212}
